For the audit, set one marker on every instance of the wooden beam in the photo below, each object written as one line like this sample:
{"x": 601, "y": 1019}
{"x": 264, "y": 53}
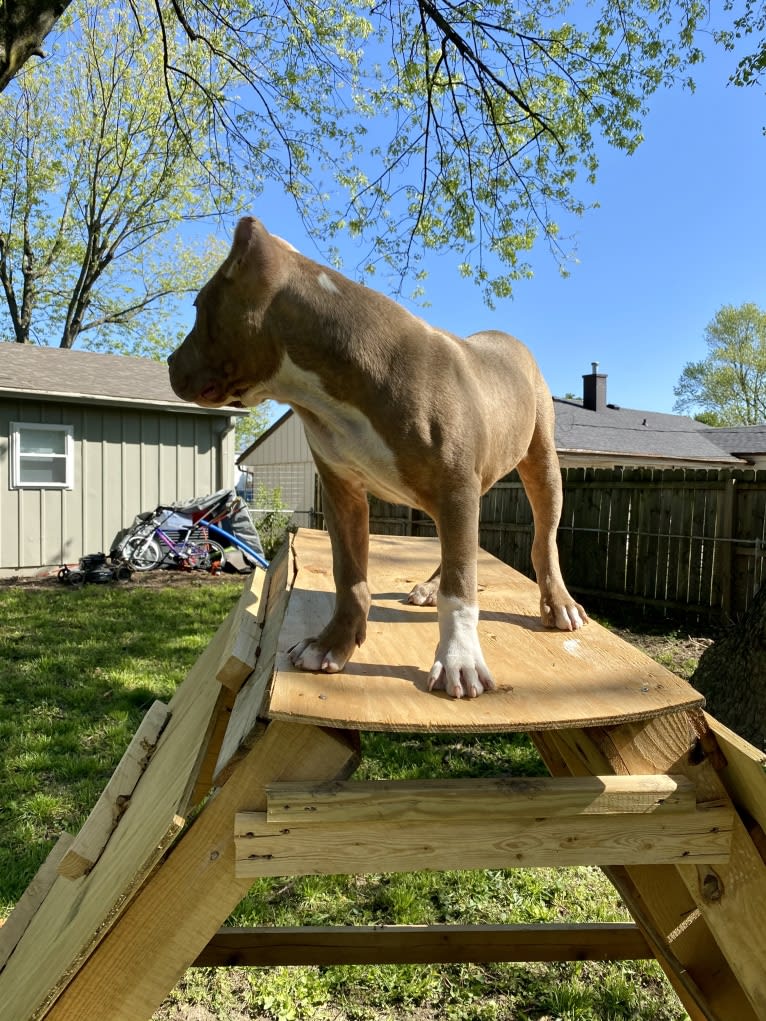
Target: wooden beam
{"x": 708, "y": 919}
{"x": 183, "y": 903}
{"x": 268, "y": 849}
{"x": 115, "y": 798}
{"x": 16, "y": 923}
{"x": 424, "y": 944}
{"x": 503, "y": 797}
{"x": 241, "y": 650}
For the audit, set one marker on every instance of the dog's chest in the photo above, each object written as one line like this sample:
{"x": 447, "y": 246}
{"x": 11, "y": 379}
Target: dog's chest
{"x": 347, "y": 442}
{"x": 341, "y": 434}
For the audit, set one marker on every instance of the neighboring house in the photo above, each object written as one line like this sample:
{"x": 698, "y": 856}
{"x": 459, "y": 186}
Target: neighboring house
{"x": 590, "y": 432}
{"x": 89, "y": 440}
{"x": 281, "y": 459}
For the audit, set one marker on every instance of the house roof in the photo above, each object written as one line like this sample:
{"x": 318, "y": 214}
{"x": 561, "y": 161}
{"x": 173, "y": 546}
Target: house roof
{"x": 27, "y": 370}
{"x": 742, "y": 440}
{"x": 643, "y": 435}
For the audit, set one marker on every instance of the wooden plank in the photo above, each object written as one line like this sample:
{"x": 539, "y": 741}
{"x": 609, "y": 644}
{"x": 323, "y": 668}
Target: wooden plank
{"x": 730, "y": 897}
{"x": 658, "y": 901}
{"x": 77, "y": 913}
{"x": 182, "y": 905}
{"x": 115, "y": 798}
{"x": 546, "y": 679}
{"x": 244, "y": 726}
{"x": 744, "y": 777}
{"x": 244, "y": 636}
{"x": 504, "y": 797}
{"x": 415, "y": 844}
{"x": 423, "y": 944}
{"x": 15, "y": 924}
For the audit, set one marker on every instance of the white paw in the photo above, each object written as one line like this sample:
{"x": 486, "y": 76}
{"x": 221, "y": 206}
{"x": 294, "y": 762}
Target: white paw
{"x": 309, "y": 655}
{"x": 459, "y": 666}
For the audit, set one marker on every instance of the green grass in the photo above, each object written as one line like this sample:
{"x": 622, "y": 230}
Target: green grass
{"x": 81, "y": 667}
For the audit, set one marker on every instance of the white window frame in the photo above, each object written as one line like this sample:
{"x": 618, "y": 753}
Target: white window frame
{"x": 18, "y": 459}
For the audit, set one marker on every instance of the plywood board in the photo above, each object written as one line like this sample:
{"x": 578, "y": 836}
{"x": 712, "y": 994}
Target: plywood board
{"x": 269, "y": 849}
{"x": 546, "y": 679}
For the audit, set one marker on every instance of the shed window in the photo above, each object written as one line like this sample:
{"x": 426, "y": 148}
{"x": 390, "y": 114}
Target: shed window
{"x": 42, "y": 456}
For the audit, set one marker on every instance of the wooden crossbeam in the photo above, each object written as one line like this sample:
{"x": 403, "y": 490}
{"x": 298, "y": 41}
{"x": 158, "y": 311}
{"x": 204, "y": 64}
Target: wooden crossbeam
{"x": 435, "y": 832}
{"x": 504, "y": 797}
{"x": 424, "y": 944}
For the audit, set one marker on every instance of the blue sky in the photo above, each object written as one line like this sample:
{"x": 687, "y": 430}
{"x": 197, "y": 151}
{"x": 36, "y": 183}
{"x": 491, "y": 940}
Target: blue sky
{"x": 680, "y": 230}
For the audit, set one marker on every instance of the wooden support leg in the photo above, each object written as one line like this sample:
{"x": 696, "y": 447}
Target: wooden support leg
{"x": 193, "y": 891}
{"x": 706, "y": 923}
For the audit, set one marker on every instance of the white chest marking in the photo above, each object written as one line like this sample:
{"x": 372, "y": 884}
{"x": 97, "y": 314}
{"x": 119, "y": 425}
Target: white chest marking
{"x": 340, "y": 433}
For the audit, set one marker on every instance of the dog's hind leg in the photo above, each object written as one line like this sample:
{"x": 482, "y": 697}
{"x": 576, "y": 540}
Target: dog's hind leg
{"x": 541, "y": 475}
{"x": 347, "y": 517}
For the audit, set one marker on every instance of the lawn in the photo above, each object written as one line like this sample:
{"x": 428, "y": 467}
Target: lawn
{"x": 81, "y": 667}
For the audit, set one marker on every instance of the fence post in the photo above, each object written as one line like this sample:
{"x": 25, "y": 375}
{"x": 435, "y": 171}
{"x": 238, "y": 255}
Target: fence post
{"x": 726, "y": 534}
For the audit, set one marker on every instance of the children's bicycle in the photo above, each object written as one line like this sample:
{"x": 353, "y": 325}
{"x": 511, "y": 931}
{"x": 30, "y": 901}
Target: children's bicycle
{"x": 193, "y": 551}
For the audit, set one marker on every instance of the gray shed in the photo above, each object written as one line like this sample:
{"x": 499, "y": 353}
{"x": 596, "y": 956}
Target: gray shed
{"x": 86, "y": 441}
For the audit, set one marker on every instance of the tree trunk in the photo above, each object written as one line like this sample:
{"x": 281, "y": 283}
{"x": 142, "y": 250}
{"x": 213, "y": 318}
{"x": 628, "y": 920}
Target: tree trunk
{"x": 731, "y": 674}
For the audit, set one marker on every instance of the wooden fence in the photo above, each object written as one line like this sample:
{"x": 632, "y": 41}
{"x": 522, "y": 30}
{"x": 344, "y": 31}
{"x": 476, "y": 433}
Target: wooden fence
{"x": 680, "y": 539}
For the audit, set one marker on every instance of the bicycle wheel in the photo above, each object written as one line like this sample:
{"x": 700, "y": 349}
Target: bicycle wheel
{"x": 202, "y": 556}
{"x": 141, "y": 554}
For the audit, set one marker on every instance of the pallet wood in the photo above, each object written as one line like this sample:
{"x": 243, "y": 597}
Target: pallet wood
{"x": 14, "y": 926}
{"x": 244, "y": 725}
{"x": 546, "y": 679}
{"x": 423, "y": 944}
{"x": 510, "y": 797}
{"x": 115, "y": 798}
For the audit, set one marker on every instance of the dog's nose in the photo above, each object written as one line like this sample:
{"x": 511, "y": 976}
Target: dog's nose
{"x": 171, "y": 356}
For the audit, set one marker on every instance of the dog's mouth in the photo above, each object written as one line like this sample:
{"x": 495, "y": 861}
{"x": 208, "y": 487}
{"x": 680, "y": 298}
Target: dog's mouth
{"x": 216, "y": 395}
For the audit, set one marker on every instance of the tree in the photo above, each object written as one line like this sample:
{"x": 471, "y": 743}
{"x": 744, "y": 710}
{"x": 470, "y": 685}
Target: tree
{"x": 95, "y": 176}
{"x": 730, "y": 382}
{"x": 420, "y": 126}
{"x": 731, "y": 674}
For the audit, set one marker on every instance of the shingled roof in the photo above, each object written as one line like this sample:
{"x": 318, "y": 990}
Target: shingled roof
{"x": 31, "y": 371}
{"x": 640, "y": 435}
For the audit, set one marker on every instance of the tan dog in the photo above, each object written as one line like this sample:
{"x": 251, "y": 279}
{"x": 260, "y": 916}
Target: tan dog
{"x": 390, "y": 405}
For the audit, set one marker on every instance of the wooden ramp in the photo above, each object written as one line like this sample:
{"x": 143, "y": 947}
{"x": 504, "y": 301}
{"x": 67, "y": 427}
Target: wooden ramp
{"x": 246, "y": 772}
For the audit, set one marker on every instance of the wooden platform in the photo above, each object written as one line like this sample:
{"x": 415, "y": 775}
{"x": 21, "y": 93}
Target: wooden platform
{"x": 248, "y": 770}
{"x": 546, "y": 679}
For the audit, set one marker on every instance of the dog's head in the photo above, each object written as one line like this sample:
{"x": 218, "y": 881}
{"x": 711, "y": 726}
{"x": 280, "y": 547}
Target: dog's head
{"x": 230, "y": 352}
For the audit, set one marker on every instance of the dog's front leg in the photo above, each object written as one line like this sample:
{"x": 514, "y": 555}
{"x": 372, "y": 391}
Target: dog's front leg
{"x": 459, "y": 665}
{"x": 347, "y": 517}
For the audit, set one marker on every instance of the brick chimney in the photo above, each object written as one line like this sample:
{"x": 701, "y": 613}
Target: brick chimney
{"x": 594, "y": 389}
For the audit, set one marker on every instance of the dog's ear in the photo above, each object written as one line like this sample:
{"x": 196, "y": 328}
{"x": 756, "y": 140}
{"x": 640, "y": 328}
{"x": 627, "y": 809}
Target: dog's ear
{"x": 252, "y": 248}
